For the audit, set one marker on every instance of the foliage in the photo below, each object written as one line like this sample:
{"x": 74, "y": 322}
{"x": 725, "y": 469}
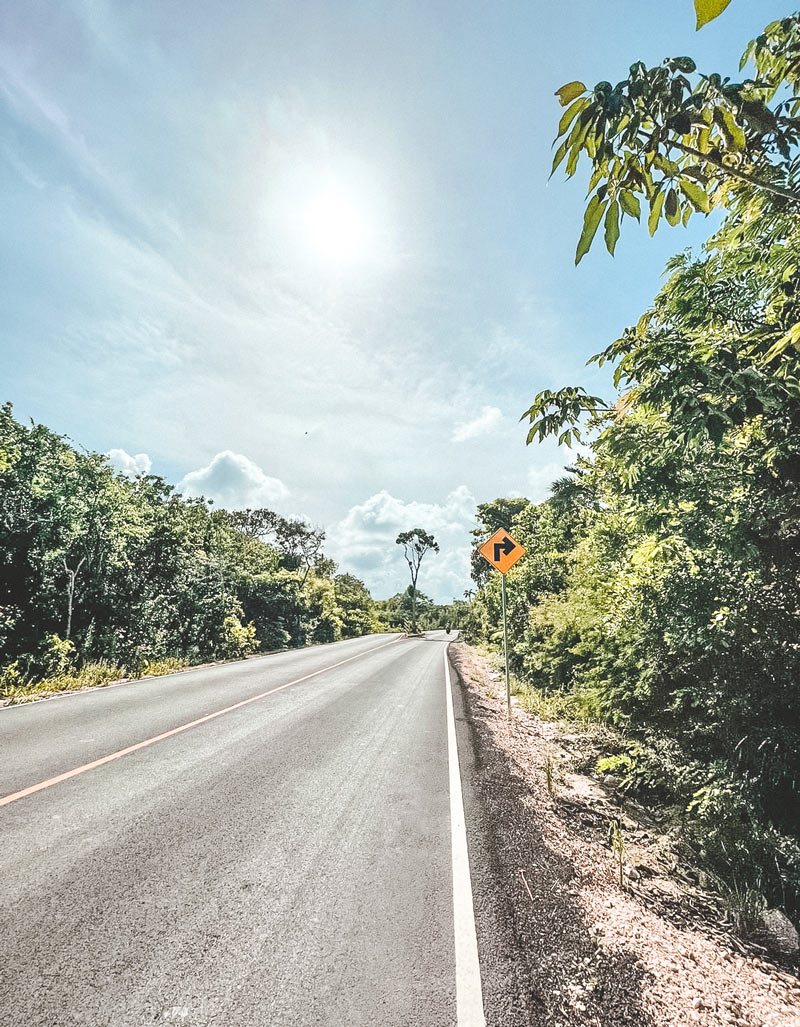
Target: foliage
{"x": 670, "y": 142}
{"x": 99, "y": 571}
{"x": 661, "y": 589}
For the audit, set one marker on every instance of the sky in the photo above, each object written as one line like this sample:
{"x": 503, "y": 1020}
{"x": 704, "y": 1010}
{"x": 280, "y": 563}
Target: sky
{"x": 305, "y": 255}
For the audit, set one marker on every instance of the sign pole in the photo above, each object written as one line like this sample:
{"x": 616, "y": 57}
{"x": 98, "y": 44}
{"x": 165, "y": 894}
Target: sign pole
{"x": 502, "y": 552}
{"x": 505, "y": 646}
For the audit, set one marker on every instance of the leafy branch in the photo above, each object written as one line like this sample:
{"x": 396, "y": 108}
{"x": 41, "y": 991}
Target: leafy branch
{"x": 675, "y": 145}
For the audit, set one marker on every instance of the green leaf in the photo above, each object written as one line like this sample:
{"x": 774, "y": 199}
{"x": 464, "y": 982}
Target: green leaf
{"x": 630, "y": 204}
{"x": 566, "y": 94}
{"x": 656, "y": 206}
{"x": 734, "y": 134}
{"x": 672, "y": 208}
{"x": 696, "y": 195}
{"x": 570, "y": 113}
{"x": 707, "y": 10}
{"x": 591, "y": 222}
{"x": 612, "y": 227}
{"x": 560, "y": 154}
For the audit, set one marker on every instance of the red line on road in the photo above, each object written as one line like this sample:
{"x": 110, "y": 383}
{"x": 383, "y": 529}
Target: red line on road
{"x": 14, "y": 796}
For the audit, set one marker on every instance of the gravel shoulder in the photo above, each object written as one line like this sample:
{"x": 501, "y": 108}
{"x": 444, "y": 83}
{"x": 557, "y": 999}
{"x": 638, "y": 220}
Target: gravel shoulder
{"x": 563, "y": 944}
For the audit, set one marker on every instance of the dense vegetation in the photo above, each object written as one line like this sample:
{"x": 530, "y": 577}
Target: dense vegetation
{"x": 400, "y": 612}
{"x": 661, "y": 591}
{"x": 102, "y": 575}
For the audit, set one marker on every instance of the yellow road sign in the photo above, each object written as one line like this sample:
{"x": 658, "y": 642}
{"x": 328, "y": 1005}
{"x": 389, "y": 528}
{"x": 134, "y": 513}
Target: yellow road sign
{"x": 502, "y": 551}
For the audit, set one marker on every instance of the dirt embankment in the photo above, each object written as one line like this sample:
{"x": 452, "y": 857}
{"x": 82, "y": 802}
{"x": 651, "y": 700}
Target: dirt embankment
{"x": 657, "y": 952}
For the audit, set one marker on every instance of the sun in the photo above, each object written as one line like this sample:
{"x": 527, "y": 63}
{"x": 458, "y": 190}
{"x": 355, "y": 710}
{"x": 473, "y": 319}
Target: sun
{"x": 335, "y": 226}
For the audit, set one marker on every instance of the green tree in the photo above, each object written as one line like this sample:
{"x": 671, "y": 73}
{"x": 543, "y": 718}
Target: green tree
{"x": 416, "y": 543}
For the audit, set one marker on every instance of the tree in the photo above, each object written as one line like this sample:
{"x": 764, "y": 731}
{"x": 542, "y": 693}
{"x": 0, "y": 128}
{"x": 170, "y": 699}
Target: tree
{"x": 356, "y": 608}
{"x": 299, "y": 543}
{"x": 416, "y": 543}
{"x": 682, "y": 143}
{"x": 128, "y": 571}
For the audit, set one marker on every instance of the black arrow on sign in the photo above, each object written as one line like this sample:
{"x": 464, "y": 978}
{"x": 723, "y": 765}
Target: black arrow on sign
{"x": 505, "y": 547}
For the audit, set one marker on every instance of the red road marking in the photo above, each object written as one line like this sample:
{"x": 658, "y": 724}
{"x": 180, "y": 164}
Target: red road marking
{"x": 14, "y": 796}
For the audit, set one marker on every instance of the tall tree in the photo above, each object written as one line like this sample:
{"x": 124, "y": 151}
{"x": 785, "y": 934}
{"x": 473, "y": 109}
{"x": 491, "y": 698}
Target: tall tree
{"x": 416, "y": 543}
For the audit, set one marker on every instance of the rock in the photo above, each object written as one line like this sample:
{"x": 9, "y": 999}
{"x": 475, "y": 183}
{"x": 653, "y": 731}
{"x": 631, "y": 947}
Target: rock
{"x": 780, "y": 934}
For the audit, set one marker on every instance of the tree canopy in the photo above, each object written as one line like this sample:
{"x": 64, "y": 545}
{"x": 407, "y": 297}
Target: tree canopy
{"x": 129, "y": 572}
{"x": 661, "y": 588}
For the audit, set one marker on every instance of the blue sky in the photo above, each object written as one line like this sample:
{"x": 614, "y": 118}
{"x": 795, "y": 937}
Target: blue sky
{"x": 306, "y": 255}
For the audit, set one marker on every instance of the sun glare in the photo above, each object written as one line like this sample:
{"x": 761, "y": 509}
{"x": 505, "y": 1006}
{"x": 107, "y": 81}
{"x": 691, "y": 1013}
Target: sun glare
{"x": 335, "y": 227}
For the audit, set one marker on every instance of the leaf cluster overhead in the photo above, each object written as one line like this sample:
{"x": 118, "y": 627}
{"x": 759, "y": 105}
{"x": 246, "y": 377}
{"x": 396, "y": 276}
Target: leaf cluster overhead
{"x": 668, "y": 142}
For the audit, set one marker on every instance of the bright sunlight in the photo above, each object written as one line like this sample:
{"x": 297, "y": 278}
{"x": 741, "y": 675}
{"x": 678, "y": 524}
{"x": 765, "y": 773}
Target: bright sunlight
{"x": 335, "y": 227}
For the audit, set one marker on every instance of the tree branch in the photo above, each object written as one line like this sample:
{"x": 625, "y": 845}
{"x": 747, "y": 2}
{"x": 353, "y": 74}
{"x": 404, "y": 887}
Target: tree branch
{"x": 743, "y": 176}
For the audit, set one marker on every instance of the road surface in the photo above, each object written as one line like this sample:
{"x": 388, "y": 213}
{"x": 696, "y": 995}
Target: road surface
{"x": 295, "y": 858}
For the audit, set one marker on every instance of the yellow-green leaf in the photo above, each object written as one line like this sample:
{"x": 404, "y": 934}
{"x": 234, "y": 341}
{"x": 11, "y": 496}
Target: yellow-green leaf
{"x": 570, "y": 113}
{"x": 612, "y": 227}
{"x": 791, "y": 338}
{"x": 655, "y": 212}
{"x": 630, "y": 203}
{"x": 696, "y": 194}
{"x": 566, "y": 94}
{"x": 560, "y": 153}
{"x": 591, "y": 221}
{"x": 671, "y": 208}
{"x": 735, "y": 136}
{"x": 707, "y": 10}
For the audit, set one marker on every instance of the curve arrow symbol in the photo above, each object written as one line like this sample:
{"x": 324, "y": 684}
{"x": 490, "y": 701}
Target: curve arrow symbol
{"x": 505, "y": 547}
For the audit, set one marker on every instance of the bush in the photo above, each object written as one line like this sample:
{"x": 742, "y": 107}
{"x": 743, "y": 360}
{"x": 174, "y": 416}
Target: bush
{"x": 238, "y": 640}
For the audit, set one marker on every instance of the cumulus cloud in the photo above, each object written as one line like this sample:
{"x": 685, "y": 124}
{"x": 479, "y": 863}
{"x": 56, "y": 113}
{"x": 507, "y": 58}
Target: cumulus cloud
{"x": 130, "y": 466}
{"x": 486, "y": 421}
{"x": 234, "y": 482}
{"x": 363, "y": 542}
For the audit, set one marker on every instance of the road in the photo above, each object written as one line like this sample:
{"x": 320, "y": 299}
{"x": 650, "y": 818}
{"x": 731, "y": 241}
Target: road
{"x": 295, "y": 858}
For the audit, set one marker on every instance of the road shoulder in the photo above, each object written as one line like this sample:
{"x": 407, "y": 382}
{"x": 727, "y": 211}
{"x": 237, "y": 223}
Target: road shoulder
{"x": 560, "y": 943}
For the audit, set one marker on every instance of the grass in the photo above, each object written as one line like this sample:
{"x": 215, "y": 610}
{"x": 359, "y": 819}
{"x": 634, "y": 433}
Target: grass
{"x": 16, "y": 688}
{"x": 744, "y": 903}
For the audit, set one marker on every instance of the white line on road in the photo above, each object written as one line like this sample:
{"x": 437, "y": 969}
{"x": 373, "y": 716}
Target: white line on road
{"x": 14, "y": 796}
{"x": 469, "y": 994}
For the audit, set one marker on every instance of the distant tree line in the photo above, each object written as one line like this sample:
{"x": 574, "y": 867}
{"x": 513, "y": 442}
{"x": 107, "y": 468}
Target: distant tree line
{"x": 96, "y": 566}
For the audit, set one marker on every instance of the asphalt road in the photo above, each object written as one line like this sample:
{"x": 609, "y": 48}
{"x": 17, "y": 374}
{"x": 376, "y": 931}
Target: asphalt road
{"x": 287, "y": 862}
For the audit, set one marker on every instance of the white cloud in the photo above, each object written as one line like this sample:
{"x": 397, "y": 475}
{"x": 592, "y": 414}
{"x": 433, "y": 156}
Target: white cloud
{"x": 364, "y": 542}
{"x": 486, "y": 421}
{"x": 130, "y": 466}
{"x": 234, "y": 482}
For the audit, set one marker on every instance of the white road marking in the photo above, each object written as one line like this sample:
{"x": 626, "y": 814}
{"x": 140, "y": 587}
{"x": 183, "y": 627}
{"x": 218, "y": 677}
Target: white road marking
{"x": 469, "y": 994}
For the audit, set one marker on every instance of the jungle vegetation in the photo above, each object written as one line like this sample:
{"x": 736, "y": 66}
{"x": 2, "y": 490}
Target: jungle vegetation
{"x": 661, "y": 589}
{"x": 103, "y": 576}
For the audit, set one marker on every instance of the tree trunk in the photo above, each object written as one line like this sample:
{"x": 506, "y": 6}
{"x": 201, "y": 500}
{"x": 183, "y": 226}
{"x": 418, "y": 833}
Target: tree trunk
{"x": 71, "y": 576}
{"x": 70, "y": 597}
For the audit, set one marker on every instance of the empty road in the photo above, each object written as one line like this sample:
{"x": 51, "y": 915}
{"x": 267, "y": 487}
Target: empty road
{"x": 272, "y": 842}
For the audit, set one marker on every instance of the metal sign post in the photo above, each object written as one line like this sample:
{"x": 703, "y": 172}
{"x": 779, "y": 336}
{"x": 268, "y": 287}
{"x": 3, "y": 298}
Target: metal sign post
{"x": 505, "y": 645}
{"x": 502, "y": 552}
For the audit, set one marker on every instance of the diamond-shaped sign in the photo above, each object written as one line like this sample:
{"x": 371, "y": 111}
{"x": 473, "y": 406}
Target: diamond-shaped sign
{"x": 502, "y": 551}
